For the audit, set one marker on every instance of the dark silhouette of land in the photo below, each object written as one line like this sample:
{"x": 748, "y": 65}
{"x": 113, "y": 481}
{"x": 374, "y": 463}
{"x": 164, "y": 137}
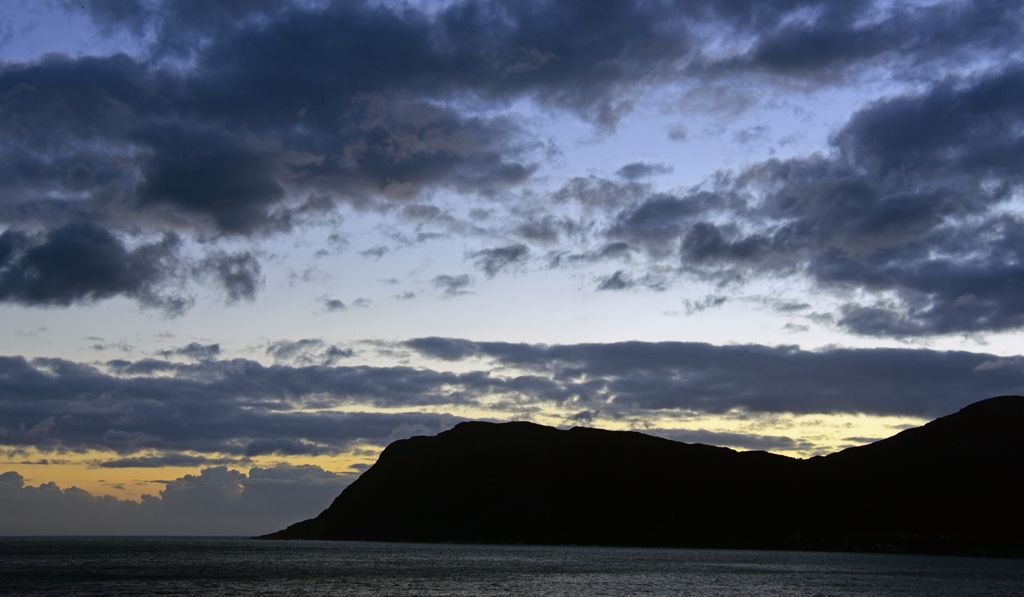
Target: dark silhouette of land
{"x": 951, "y": 486}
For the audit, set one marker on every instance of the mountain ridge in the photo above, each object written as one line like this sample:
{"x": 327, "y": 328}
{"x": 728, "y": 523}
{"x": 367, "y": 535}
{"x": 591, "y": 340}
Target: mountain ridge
{"x": 949, "y": 486}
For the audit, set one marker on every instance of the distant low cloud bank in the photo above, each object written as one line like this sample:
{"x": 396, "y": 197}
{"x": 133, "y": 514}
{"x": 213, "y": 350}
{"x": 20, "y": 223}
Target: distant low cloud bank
{"x": 217, "y": 501}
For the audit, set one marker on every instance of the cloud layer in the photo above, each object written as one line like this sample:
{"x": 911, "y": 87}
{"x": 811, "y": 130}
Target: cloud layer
{"x": 241, "y": 408}
{"x": 634, "y": 377}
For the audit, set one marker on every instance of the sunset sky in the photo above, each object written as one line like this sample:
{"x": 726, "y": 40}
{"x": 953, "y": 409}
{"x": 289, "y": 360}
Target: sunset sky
{"x": 245, "y": 244}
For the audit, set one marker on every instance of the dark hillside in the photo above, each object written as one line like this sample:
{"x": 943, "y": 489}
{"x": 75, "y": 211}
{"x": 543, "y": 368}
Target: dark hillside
{"x": 952, "y": 485}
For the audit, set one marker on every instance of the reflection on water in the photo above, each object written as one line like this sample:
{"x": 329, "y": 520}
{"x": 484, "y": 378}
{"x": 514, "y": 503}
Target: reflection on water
{"x": 132, "y": 566}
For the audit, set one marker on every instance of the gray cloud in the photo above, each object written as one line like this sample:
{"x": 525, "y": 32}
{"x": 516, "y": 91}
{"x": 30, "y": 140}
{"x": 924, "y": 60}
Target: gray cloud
{"x": 492, "y": 261}
{"x": 615, "y": 250}
{"x": 334, "y": 305}
{"x": 452, "y": 285}
{"x": 710, "y": 301}
{"x": 657, "y": 222}
{"x": 617, "y": 281}
{"x": 678, "y": 133}
{"x": 638, "y": 170}
{"x": 307, "y": 351}
{"x": 546, "y": 230}
{"x": 595, "y": 191}
{"x": 239, "y": 274}
{"x": 448, "y": 349}
{"x": 376, "y": 252}
{"x": 194, "y": 351}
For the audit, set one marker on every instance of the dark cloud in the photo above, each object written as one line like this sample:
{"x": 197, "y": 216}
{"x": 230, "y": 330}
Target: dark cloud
{"x": 709, "y": 243}
{"x": 584, "y": 417}
{"x": 376, "y": 252}
{"x": 286, "y": 446}
{"x": 615, "y": 250}
{"x": 210, "y": 175}
{"x": 239, "y": 274}
{"x": 333, "y": 304}
{"x": 194, "y": 351}
{"x": 83, "y": 263}
{"x": 497, "y": 259}
{"x": 790, "y": 306}
{"x": 638, "y": 170}
{"x": 217, "y": 501}
{"x": 628, "y": 377}
{"x": 575, "y": 56}
{"x": 909, "y": 36}
{"x": 914, "y": 205}
{"x": 710, "y": 301}
{"x": 218, "y": 145}
{"x": 617, "y": 281}
{"x": 657, "y": 222}
{"x": 546, "y": 230}
{"x": 422, "y": 212}
{"x": 307, "y": 351}
{"x": 140, "y": 367}
{"x": 452, "y": 285}
{"x": 80, "y": 263}
{"x": 578, "y": 56}
{"x": 162, "y": 460}
{"x": 448, "y": 349}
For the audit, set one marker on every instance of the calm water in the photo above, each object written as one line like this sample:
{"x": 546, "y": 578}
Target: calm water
{"x": 133, "y": 566}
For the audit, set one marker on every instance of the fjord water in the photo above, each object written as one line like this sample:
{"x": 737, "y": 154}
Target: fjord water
{"x": 176, "y": 566}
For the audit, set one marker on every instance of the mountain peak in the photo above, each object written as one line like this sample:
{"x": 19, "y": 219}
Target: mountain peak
{"x": 999, "y": 406}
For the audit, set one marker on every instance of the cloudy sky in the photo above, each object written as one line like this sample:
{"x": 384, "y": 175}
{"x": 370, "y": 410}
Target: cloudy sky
{"x": 245, "y": 244}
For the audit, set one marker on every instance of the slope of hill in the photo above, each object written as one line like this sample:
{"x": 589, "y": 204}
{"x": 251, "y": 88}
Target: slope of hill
{"x": 951, "y": 486}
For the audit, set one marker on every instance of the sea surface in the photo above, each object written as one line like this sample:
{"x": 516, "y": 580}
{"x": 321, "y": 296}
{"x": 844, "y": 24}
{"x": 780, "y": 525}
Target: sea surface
{"x": 237, "y": 566}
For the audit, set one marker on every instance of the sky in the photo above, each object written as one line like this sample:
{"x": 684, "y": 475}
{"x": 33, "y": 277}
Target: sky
{"x": 246, "y": 244}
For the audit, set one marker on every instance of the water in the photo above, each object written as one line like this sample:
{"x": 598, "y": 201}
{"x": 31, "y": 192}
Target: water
{"x": 177, "y": 566}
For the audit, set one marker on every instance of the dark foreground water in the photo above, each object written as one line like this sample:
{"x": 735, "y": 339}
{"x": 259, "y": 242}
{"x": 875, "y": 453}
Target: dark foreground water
{"x": 179, "y": 566}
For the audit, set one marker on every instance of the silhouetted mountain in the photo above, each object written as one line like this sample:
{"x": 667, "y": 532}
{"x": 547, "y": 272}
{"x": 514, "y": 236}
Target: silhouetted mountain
{"x": 951, "y": 486}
